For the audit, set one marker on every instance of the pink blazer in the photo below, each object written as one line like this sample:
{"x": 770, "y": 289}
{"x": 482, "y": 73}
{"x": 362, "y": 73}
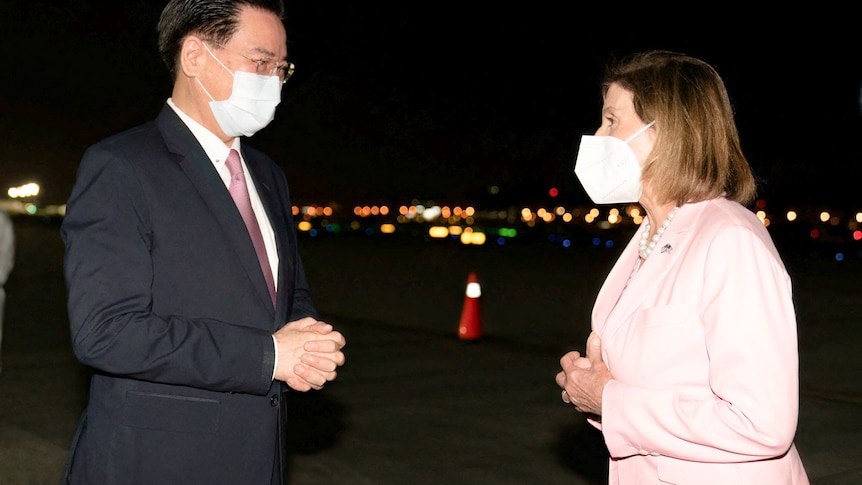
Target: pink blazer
{"x": 702, "y": 346}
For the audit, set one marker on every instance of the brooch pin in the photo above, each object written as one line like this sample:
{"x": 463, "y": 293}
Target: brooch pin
{"x": 666, "y": 248}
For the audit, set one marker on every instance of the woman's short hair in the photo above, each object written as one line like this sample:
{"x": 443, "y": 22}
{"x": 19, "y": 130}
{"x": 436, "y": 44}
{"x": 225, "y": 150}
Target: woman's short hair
{"x": 697, "y": 154}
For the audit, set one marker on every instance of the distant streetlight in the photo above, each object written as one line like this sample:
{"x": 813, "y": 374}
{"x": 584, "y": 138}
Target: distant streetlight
{"x": 24, "y": 191}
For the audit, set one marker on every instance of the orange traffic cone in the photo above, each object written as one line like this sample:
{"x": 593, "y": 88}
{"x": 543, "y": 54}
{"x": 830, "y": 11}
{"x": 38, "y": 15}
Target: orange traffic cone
{"x": 471, "y": 320}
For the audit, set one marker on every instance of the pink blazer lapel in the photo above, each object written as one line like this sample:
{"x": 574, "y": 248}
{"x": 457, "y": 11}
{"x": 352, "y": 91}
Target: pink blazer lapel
{"x": 614, "y": 285}
{"x": 616, "y": 302}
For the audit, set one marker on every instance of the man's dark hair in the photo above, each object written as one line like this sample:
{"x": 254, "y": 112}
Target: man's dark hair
{"x": 213, "y": 20}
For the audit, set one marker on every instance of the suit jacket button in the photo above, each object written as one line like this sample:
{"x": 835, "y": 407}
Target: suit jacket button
{"x": 273, "y": 401}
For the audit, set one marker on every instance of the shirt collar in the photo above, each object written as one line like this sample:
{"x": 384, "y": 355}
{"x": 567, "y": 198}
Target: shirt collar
{"x": 215, "y": 149}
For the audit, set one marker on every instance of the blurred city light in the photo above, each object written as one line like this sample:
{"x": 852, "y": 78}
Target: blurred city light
{"x": 438, "y": 232}
{"x": 827, "y": 232}
{"x": 815, "y": 232}
{"x": 471, "y": 237}
{"x": 23, "y": 191}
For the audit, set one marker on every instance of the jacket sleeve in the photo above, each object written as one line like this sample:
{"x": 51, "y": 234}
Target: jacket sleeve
{"x": 302, "y": 303}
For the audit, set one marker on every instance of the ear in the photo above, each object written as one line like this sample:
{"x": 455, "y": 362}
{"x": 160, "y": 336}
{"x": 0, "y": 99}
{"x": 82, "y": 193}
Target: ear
{"x": 192, "y": 56}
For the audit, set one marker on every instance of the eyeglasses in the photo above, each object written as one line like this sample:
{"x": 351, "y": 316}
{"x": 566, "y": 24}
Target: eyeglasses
{"x": 262, "y": 66}
{"x": 266, "y": 66}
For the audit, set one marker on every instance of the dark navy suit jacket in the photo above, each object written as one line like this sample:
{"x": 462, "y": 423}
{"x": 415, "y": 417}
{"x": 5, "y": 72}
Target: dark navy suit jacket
{"x": 168, "y": 305}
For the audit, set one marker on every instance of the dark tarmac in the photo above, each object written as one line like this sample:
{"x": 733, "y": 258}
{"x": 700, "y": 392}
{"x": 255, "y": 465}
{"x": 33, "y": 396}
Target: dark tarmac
{"x": 414, "y": 404}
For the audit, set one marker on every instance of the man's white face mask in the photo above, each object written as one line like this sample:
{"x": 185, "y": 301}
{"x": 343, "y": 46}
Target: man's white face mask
{"x": 251, "y": 105}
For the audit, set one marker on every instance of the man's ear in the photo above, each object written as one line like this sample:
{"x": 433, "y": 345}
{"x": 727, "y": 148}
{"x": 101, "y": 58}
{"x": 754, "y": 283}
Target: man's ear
{"x": 192, "y": 56}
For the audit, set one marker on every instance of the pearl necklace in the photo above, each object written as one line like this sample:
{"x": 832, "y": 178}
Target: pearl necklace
{"x": 647, "y": 245}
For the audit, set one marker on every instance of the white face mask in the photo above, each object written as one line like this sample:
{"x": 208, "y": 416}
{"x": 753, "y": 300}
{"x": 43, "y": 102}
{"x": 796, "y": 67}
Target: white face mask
{"x": 251, "y": 105}
{"x": 608, "y": 168}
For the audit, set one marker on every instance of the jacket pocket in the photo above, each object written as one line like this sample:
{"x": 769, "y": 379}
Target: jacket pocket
{"x": 169, "y": 412}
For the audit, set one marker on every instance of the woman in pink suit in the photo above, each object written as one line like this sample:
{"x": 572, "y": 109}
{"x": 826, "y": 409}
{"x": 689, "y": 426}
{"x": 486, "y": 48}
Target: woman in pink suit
{"x": 691, "y": 371}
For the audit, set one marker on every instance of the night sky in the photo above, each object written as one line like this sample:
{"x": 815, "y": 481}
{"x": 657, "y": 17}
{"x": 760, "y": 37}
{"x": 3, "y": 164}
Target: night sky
{"x": 441, "y": 99}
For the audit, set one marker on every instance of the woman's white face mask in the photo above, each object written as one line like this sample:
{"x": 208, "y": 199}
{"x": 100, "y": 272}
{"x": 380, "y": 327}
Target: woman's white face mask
{"x": 608, "y": 168}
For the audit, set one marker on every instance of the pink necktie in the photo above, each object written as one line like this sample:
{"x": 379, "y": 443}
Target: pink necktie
{"x": 239, "y": 191}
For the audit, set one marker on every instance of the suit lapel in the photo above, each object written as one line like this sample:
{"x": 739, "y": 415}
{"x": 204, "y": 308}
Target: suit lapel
{"x": 194, "y": 162}
{"x": 271, "y": 200}
{"x": 616, "y": 302}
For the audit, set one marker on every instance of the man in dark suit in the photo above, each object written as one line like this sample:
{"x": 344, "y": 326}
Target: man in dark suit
{"x": 178, "y": 295}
